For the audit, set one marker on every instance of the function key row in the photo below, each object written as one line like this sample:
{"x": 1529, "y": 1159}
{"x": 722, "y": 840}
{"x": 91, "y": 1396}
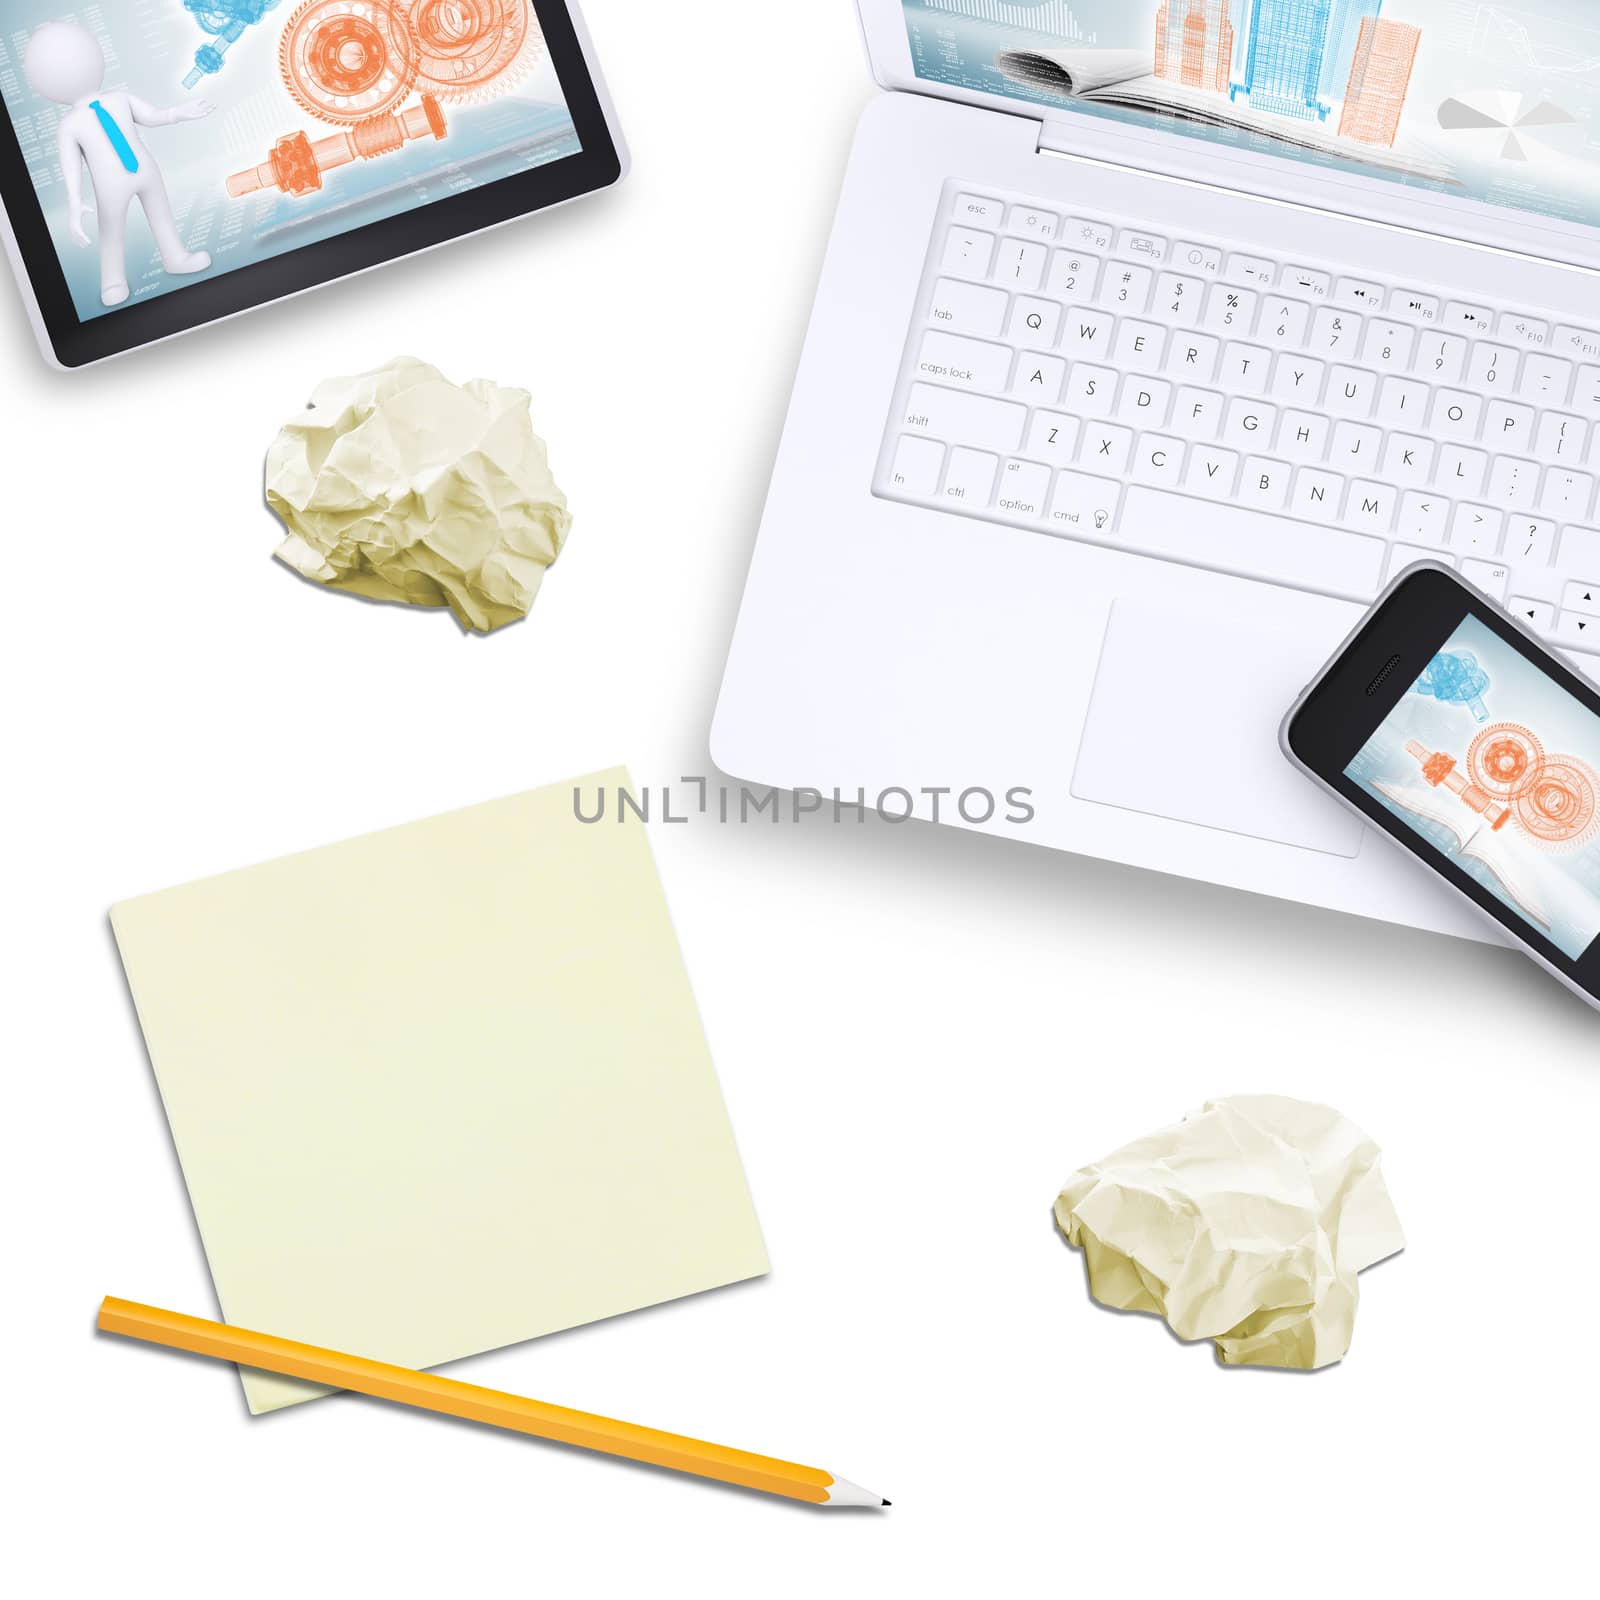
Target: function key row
{"x": 1208, "y": 261}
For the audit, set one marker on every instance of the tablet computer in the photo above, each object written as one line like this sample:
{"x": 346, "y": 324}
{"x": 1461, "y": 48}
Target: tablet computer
{"x": 166, "y": 163}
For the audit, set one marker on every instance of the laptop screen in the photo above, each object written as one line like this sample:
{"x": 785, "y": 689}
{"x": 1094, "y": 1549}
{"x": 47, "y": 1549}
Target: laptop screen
{"x": 1480, "y": 101}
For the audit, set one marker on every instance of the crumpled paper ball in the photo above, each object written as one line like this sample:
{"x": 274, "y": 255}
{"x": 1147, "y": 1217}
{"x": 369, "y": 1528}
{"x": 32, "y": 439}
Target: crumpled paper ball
{"x": 397, "y": 484}
{"x": 1245, "y": 1223}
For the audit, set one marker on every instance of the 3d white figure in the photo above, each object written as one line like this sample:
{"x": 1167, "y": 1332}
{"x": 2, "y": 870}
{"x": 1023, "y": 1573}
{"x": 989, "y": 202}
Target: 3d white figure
{"x": 63, "y": 63}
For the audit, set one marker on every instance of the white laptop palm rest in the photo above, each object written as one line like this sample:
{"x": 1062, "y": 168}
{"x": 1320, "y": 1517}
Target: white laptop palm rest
{"x": 1090, "y": 463}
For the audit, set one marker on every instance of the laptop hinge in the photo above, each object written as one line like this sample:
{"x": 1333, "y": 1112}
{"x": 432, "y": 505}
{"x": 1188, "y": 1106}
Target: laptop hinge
{"x": 1169, "y": 156}
{"x": 1054, "y": 139}
{"x": 1170, "y": 161}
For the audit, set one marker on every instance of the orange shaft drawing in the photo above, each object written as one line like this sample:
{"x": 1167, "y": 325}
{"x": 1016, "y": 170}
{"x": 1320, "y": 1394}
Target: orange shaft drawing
{"x": 1439, "y": 768}
{"x": 296, "y": 164}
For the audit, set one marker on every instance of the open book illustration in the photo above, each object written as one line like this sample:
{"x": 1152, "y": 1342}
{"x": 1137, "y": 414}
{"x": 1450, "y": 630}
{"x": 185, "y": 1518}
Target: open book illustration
{"x": 1126, "y": 80}
{"x": 1475, "y": 838}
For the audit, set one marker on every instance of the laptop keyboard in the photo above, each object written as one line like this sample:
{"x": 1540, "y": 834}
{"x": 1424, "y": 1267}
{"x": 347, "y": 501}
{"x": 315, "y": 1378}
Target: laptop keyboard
{"x": 1299, "y": 422}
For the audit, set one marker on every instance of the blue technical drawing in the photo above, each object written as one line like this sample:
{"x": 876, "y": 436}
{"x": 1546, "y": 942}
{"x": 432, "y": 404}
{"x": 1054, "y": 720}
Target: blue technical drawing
{"x": 1455, "y": 678}
{"x": 225, "y": 20}
{"x": 1344, "y": 34}
{"x": 1288, "y": 40}
{"x": 1239, "y": 16}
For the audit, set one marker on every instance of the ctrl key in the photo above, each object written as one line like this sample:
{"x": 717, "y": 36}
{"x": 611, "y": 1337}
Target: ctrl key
{"x": 916, "y": 467}
{"x": 970, "y": 480}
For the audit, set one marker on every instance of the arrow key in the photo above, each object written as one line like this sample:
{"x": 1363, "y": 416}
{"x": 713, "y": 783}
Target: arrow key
{"x": 1583, "y": 598}
{"x": 1575, "y": 631}
{"x": 1424, "y": 517}
{"x": 1539, "y": 615}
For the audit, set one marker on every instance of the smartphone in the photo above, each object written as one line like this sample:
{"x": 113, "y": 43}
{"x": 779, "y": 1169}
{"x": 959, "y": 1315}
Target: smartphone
{"x": 1446, "y": 724}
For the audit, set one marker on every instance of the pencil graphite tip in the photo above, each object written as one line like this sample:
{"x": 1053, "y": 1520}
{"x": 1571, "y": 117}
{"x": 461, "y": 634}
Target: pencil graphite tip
{"x": 841, "y": 1492}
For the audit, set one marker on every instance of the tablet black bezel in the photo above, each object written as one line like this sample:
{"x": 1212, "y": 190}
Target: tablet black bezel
{"x": 77, "y": 343}
{"x": 1339, "y": 716}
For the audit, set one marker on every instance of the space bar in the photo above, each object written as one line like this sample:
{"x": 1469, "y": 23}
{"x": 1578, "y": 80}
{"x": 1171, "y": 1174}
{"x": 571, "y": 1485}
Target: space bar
{"x": 1203, "y": 533}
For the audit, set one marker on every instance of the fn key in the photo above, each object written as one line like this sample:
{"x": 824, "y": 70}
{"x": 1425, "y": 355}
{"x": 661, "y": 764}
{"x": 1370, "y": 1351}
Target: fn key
{"x": 916, "y": 467}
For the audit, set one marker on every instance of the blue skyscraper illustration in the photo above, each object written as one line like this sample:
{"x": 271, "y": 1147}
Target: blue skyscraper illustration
{"x": 1284, "y": 54}
{"x": 1239, "y": 16}
{"x": 1344, "y": 33}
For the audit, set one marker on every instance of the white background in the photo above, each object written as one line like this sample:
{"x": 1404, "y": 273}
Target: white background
{"x": 920, "y": 1033}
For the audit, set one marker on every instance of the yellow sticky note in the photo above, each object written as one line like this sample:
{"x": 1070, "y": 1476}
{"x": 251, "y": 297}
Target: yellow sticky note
{"x": 441, "y": 1088}
{"x": 1245, "y": 1223}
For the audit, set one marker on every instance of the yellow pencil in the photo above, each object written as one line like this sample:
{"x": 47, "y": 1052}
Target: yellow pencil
{"x": 499, "y": 1410}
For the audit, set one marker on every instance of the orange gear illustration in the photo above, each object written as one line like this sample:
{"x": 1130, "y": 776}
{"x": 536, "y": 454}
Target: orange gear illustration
{"x": 1559, "y": 804}
{"x": 1437, "y": 767}
{"x": 349, "y": 60}
{"x": 292, "y": 164}
{"x": 469, "y": 48}
{"x": 1503, "y": 758}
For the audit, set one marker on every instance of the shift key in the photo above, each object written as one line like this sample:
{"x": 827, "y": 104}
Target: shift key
{"x": 965, "y": 418}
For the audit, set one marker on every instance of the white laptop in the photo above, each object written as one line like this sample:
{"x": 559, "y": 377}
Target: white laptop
{"x": 1151, "y": 340}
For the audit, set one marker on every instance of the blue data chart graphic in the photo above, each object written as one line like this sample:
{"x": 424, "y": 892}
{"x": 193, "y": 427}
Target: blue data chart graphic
{"x": 1559, "y": 45}
{"x": 1288, "y": 40}
{"x": 1043, "y": 16}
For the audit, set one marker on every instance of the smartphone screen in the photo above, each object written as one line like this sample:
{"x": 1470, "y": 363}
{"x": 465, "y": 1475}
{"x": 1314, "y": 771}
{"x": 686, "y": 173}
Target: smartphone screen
{"x": 1492, "y": 763}
{"x": 1479, "y": 751}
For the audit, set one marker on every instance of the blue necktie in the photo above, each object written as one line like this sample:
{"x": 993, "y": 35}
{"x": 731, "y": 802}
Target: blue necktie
{"x": 119, "y": 140}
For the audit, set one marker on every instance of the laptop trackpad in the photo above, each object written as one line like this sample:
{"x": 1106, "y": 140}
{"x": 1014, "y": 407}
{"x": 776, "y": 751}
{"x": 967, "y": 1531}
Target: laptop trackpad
{"x": 1184, "y": 723}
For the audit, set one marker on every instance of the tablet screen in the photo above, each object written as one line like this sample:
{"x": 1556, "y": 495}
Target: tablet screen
{"x": 325, "y": 116}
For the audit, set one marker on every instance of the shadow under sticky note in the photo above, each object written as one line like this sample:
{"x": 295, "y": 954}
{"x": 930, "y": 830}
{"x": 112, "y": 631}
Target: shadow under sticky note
{"x": 1152, "y": 744}
{"x": 441, "y": 1088}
